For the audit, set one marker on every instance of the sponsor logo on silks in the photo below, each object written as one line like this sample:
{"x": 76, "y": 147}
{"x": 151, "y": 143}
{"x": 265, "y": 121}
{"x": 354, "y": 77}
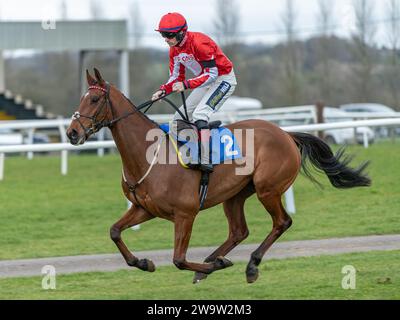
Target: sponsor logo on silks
{"x": 184, "y": 57}
{"x": 218, "y": 94}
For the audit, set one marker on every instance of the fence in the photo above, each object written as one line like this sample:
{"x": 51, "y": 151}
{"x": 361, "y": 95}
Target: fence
{"x": 64, "y": 147}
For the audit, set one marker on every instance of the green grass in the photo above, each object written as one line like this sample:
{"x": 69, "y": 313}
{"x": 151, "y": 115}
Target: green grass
{"x": 46, "y": 214}
{"x": 377, "y": 277}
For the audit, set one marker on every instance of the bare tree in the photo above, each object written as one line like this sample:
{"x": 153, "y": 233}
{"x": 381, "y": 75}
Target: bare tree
{"x": 363, "y": 44}
{"x": 227, "y": 24}
{"x": 325, "y": 18}
{"x": 323, "y": 65}
{"x": 96, "y": 10}
{"x": 64, "y": 10}
{"x": 135, "y": 25}
{"x": 392, "y": 70}
{"x": 292, "y": 82}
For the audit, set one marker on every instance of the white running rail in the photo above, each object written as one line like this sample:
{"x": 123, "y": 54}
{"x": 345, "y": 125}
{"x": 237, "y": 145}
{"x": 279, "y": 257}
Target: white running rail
{"x": 64, "y": 147}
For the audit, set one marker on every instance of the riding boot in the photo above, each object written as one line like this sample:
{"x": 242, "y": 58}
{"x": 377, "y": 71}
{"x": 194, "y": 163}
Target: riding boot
{"x": 204, "y": 146}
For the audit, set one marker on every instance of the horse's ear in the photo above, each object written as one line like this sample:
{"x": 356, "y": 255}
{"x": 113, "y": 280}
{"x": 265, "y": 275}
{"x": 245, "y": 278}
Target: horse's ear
{"x": 90, "y": 80}
{"x": 98, "y": 76}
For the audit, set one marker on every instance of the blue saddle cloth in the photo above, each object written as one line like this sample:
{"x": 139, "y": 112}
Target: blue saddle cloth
{"x": 223, "y": 145}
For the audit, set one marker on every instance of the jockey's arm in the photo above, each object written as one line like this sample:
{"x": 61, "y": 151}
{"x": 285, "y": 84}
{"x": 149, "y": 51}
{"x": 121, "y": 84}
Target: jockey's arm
{"x": 177, "y": 74}
{"x": 209, "y": 75}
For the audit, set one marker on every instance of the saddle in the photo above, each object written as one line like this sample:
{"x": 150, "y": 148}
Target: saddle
{"x": 188, "y": 134}
{"x": 185, "y": 137}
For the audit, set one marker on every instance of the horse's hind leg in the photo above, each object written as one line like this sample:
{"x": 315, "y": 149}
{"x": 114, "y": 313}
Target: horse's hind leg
{"x": 281, "y": 222}
{"x": 238, "y": 231}
{"x": 134, "y": 216}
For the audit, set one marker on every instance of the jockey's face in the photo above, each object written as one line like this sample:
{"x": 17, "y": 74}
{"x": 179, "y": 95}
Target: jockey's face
{"x": 171, "y": 42}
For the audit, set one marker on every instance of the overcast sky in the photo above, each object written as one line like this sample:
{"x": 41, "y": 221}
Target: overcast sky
{"x": 260, "y": 20}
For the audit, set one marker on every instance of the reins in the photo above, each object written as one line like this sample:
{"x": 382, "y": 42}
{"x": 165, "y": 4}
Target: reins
{"x": 97, "y": 125}
{"x": 148, "y": 104}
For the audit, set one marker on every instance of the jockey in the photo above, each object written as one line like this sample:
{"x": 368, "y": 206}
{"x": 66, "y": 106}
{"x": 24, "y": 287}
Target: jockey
{"x": 214, "y": 79}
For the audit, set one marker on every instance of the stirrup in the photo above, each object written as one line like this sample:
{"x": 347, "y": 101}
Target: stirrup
{"x": 206, "y": 167}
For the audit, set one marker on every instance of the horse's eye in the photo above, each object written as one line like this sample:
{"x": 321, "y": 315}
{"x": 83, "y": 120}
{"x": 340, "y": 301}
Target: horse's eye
{"x": 94, "y": 99}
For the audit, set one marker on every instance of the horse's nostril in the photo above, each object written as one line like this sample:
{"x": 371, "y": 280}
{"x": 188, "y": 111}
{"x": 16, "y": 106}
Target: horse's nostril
{"x": 72, "y": 134}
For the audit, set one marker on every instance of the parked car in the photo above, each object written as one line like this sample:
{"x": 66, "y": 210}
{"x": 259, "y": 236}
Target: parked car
{"x": 235, "y": 103}
{"x": 366, "y": 107}
{"x": 335, "y": 136}
{"x": 372, "y": 108}
{"x": 346, "y": 135}
{"x": 9, "y": 137}
{"x": 38, "y": 138}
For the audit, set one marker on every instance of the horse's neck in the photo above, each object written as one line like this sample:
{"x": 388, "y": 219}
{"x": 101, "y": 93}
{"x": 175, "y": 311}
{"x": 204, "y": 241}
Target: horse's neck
{"x": 130, "y": 137}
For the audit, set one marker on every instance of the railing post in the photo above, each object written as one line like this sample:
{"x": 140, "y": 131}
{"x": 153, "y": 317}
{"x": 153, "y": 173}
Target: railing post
{"x": 137, "y": 227}
{"x": 319, "y": 107}
{"x": 64, "y": 162}
{"x": 355, "y": 135}
{"x": 2, "y": 156}
{"x": 365, "y": 138}
{"x": 289, "y": 200}
{"x": 100, "y": 137}
{"x": 30, "y": 141}
{"x": 64, "y": 153}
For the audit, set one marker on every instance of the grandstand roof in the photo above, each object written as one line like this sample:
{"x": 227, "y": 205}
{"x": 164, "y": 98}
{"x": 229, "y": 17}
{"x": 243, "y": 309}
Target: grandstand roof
{"x": 63, "y": 35}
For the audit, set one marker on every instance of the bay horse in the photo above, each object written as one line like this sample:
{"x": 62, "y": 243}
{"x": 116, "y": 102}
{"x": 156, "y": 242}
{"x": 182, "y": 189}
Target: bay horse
{"x": 170, "y": 191}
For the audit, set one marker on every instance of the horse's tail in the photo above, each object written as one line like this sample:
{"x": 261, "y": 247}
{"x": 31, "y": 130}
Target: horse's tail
{"x": 335, "y": 166}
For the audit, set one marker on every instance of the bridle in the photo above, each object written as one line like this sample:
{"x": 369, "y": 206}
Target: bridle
{"x": 96, "y": 124}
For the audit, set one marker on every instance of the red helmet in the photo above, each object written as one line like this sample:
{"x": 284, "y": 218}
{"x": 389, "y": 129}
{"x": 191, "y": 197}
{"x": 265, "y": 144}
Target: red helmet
{"x": 172, "y": 22}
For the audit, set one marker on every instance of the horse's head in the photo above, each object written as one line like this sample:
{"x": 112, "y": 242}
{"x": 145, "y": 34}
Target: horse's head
{"x": 94, "y": 111}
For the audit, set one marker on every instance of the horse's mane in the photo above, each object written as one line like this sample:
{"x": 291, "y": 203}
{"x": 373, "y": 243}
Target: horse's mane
{"x": 140, "y": 113}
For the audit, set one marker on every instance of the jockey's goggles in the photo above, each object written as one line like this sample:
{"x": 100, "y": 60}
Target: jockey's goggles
{"x": 168, "y": 35}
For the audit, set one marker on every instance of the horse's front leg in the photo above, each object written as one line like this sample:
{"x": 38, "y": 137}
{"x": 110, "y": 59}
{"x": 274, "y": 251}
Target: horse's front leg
{"x": 134, "y": 216}
{"x": 183, "y": 231}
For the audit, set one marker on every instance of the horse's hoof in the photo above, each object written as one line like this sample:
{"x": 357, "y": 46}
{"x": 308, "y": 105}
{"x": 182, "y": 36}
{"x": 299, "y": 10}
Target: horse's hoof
{"x": 146, "y": 265}
{"x": 251, "y": 274}
{"x": 198, "y": 276}
{"x": 252, "y": 278}
{"x": 222, "y": 263}
{"x": 133, "y": 262}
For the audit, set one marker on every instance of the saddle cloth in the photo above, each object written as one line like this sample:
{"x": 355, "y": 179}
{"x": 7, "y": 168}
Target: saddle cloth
{"x": 223, "y": 144}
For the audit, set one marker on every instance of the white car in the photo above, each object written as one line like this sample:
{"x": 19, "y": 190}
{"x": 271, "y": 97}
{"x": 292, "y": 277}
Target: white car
{"x": 8, "y": 137}
{"x": 235, "y": 103}
{"x": 371, "y": 108}
{"x": 343, "y": 136}
{"x": 366, "y": 107}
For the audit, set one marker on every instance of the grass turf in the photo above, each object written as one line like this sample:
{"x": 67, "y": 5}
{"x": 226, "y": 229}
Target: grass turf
{"x": 377, "y": 277}
{"x": 46, "y": 214}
